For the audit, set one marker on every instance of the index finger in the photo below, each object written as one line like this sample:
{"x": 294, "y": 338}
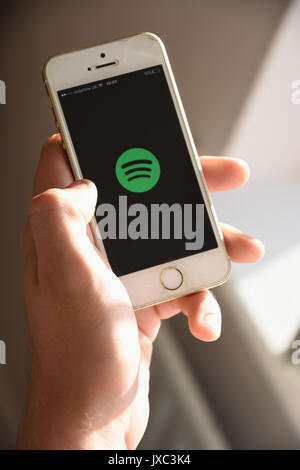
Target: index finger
{"x": 53, "y": 169}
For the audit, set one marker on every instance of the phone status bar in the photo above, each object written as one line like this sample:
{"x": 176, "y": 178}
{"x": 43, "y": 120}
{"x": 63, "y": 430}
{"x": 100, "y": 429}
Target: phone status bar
{"x": 85, "y": 89}
{"x": 108, "y": 82}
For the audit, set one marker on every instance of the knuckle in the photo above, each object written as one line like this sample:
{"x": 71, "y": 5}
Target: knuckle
{"x": 54, "y": 199}
{"x": 49, "y": 199}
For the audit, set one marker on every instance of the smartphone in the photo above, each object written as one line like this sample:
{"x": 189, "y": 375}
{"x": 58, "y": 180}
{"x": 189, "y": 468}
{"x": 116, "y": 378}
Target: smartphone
{"x": 123, "y": 126}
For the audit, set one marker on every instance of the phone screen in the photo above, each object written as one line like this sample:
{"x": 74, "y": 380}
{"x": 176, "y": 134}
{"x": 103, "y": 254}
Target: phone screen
{"x": 129, "y": 142}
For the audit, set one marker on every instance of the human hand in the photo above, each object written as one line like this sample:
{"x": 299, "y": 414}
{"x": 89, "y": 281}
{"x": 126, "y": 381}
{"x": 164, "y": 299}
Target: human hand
{"x": 90, "y": 352}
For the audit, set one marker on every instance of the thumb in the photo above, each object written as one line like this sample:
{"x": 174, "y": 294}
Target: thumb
{"x": 58, "y": 220}
{"x": 83, "y": 195}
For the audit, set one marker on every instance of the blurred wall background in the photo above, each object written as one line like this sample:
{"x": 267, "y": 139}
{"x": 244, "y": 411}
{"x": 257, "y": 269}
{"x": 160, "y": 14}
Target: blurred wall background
{"x": 202, "y": 396}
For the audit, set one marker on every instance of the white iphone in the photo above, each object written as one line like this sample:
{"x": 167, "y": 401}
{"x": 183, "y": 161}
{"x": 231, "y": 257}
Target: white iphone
{"x": 123, "y": 126}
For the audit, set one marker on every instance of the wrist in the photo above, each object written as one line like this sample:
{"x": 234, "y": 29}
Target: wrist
{"x": 65, "y": 419}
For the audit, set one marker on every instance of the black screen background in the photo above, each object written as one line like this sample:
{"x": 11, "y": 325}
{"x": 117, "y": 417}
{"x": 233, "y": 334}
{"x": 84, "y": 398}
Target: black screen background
{"x": 137, "y": 111}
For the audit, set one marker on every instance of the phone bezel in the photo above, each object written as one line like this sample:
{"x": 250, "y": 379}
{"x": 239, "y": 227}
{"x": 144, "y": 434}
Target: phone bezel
{"x": 202, "y": 270}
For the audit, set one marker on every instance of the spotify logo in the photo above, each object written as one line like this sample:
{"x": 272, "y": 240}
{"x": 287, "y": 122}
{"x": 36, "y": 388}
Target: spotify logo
{"x": 137, "y": 170}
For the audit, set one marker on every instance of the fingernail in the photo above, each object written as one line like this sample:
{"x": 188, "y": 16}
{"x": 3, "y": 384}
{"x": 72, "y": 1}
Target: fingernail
{"x": 213, "y": 323}
{"x": 255, "y": 240}
{"x": 80, "y": 184}
{"x": 248, "y": 237}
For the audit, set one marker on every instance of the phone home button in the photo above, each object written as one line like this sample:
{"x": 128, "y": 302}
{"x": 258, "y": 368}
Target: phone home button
{"x": 171, "y": 278}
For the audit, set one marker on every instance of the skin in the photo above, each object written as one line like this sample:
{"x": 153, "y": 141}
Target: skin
{"x": 90, "y": 352}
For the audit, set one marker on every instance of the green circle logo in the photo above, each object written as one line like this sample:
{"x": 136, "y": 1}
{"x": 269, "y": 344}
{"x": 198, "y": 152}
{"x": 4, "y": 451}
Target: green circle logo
{"x": 137, "y": 170}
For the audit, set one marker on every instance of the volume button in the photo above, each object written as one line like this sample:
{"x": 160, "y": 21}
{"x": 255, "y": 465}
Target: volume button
{"x": 50, "y": 102}
{"x": 54, "y": 117}
{"x": 46, "y": 88}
